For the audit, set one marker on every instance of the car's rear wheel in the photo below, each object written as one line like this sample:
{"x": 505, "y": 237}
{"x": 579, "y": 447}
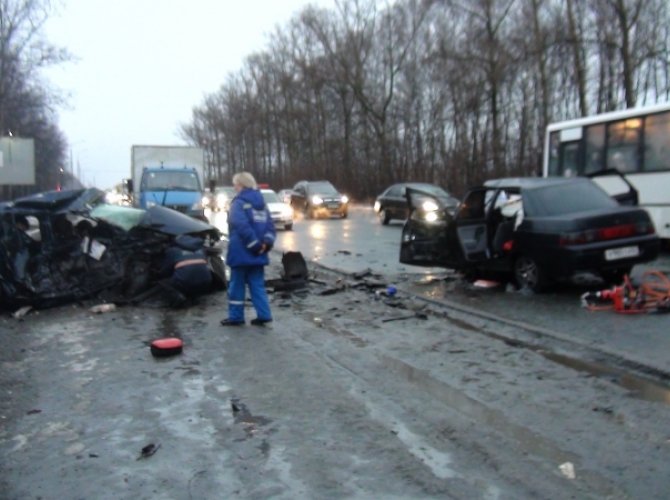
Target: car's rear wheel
{"x": 384, "y": 217}
{"x": 288, "y": 227}
{"x": 529, "y": 275}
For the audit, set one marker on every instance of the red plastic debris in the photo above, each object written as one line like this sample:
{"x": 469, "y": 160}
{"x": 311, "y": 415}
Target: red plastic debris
{"x": 166, "y": 347}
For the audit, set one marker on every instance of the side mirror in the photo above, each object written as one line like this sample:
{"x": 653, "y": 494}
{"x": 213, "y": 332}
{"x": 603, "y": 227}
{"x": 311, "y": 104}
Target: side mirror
{"x": 128, "y": 185}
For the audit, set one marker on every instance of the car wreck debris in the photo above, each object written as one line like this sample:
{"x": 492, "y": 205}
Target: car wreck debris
{"x": 417, "y": 315}
{"x": 168, "y": 346}
{"x": 651, "y": 295}
{"x": 22, "y": 312}
{"x": 568, "y": 470}
{"x": 103, "y": 308}
{"x": 65, "y": 246}
{"x": 148, "y": 450}
{"x": 295, "y": 275}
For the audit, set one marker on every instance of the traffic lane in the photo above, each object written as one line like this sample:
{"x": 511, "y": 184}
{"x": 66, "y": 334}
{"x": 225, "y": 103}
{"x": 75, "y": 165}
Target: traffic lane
{"x": 317, "y": 404}
{"x": 361, "y": 242}
{"x": 353, "y": 244}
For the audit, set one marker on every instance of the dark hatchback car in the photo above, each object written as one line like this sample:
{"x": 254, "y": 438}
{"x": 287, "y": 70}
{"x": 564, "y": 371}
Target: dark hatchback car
{"x": 319, "y": 198}
{"x": 532, "y": 230}
{"x": 392, "y": 203}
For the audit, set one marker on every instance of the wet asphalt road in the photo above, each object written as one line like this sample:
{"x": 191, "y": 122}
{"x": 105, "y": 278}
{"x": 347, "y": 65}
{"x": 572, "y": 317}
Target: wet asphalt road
{"x": 360, "y": 242}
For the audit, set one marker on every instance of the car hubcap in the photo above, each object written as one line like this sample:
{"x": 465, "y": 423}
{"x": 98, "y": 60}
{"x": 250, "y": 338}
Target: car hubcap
{"x": 527, "y": 272}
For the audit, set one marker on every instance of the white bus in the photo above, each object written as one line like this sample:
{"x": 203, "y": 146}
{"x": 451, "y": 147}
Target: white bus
{"x": 636, "y": 142}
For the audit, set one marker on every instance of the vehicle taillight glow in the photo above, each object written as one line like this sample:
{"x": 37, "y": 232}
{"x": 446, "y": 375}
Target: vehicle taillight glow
{"x": 606, "y": 233}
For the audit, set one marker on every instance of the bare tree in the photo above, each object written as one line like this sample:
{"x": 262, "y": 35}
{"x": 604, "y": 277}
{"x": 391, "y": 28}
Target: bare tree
{"x": 446, "y": 91}
{"x": 26, "y": 102}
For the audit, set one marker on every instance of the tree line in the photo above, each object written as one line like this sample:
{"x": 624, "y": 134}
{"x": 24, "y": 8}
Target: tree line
{"x": 27, "y": 103}
{"x": 445, "y": 91}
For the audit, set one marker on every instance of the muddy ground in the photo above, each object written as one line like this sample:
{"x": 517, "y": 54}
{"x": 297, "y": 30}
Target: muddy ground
{"x": 332, "y": 401}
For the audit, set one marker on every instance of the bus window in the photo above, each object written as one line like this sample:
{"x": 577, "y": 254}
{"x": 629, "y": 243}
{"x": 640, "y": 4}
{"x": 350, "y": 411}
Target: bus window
{"x": 570, "y": 158}
{"x": 657, "y": 142}
{"x": 595, "y": 146}
{"x": 554, "y": 139}
{"x": 623, "y": 146}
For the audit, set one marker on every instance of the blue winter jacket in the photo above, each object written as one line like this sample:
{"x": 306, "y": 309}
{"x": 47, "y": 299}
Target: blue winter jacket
{"x": 249, "y": 226}
{"x": 191, "y": 279}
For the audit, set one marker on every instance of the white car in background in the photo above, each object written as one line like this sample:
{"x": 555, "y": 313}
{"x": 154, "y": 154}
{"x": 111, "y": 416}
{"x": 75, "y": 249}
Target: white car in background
{"x": 281, "y": 213}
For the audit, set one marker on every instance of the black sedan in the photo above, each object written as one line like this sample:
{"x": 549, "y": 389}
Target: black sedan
{"x": 317, "y": 198}
{"x": 392, "y": 203}
{"x": 532, "y": 230}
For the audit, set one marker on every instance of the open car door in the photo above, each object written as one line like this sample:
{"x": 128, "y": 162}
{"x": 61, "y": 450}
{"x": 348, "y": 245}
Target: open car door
{"x": 424, "y": 239}
{"x": 617, "y": 185}
{"x": 471, "y": 225}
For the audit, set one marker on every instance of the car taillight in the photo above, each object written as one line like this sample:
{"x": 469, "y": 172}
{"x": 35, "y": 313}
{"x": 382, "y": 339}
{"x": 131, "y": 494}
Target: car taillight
{"x": 605, "y": 233}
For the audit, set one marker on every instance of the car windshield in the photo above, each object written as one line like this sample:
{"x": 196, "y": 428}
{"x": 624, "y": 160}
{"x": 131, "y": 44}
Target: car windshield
{"x": 566, "y": 198}
{"x": 270, "y": 197}
{"x": 434, "y": 190}
{"x": 430, "y": 189}
{"x": 170, "y": 181}
{"x": 321, "y": 188}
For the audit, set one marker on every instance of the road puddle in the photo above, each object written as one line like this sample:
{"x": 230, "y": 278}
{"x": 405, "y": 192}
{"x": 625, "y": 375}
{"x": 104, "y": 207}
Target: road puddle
{"x": 639, "y": 388}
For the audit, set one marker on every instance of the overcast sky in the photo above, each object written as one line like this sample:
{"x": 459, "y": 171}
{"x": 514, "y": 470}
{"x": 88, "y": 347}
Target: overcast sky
{"x": 142, "y": 65}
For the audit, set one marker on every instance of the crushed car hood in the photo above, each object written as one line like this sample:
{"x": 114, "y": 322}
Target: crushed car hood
{"x": 81, "y": 247}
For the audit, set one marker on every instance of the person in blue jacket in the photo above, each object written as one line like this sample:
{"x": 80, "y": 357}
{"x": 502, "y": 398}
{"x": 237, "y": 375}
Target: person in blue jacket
{"x": 185, "y": 269}
{"x": 251, "y": 235}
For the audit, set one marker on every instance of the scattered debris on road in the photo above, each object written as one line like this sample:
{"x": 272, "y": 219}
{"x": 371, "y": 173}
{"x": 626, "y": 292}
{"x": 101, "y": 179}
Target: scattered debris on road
{"x": 103, "y": 308}
{"x": 295, "y": 275}
{"x": 168, "y": 346}
{"x": 651, "y": 295}
{"x": 416, "y": 315}
{"x": 22, "y": 312}
{"x": 568, "y": 470}
{"x": 148, "y": 450}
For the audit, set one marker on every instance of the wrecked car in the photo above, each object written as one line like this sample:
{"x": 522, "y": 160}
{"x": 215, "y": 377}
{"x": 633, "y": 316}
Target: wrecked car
{"x": 534, "y": 231}
{"x": 63, "y": 246}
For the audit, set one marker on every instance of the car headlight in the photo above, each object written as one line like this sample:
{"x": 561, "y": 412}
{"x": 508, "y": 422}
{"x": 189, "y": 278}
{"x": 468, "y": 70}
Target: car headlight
{"x": 429, "y": 206}
{"x": 431, "y": 216}
{"x": 377, "y": 206}
{"x": 221, "y": 199}
{"x": 345, "y": 198}
{"x": 287, "y": 211}
{"x": 317, "y": 200}
{"x": 151, "y": 204}
{"x": 205, "y": 200}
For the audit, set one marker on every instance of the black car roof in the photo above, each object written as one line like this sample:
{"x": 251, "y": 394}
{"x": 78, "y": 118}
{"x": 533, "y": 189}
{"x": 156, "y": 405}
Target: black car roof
{"x": 533, "y": 182}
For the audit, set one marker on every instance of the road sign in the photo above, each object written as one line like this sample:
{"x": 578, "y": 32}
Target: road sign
{"x": 17, "y": 161}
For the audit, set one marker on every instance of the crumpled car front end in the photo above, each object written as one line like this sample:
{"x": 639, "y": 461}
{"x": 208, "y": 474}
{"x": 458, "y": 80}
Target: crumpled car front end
{"x": 78, "y": 247}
